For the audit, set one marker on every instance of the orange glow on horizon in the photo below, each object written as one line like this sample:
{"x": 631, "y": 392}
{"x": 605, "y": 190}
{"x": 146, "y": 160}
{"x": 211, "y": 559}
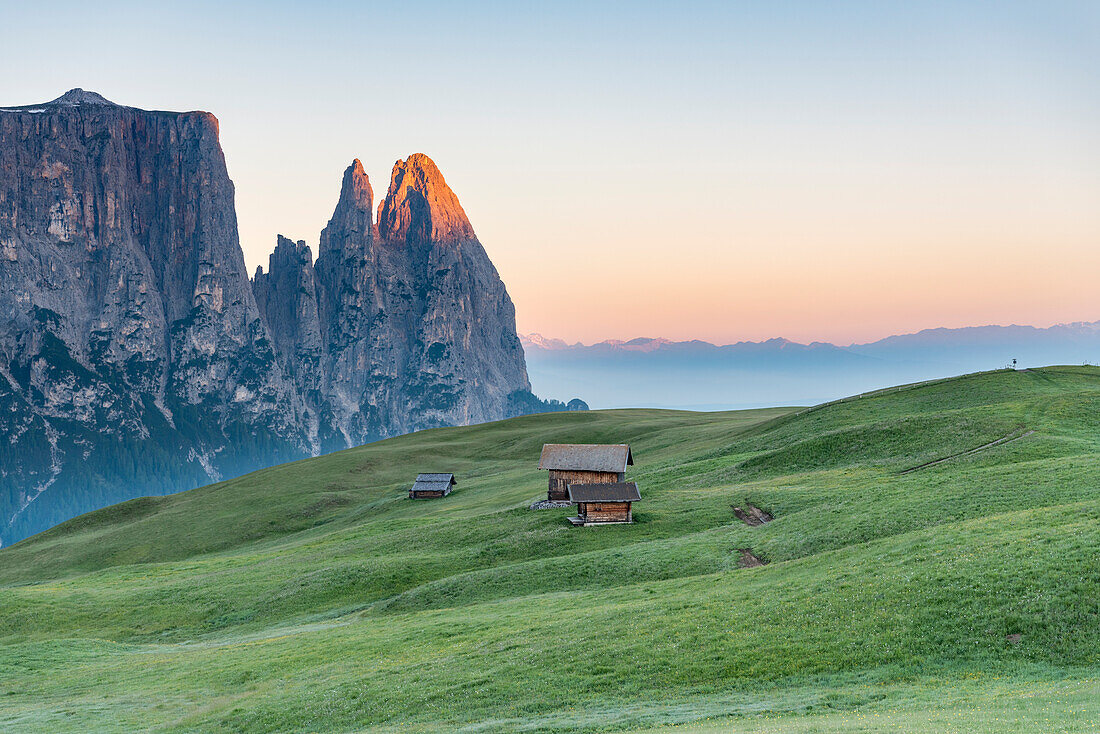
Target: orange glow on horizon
{"x": 813, "y": 281}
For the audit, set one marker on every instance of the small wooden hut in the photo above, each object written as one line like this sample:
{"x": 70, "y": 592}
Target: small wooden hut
{"x": 603, "y": 504}
{"x": 583, "y": 463}
{"x": 432, "y": 486}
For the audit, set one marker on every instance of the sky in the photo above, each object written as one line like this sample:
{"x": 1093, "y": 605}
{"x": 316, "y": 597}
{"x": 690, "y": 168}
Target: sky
{"x": 835, "y": 171}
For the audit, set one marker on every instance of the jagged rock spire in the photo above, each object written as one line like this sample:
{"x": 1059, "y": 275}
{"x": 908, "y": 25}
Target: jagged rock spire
{"x": 351, "y": 222}
{"x": 415, "y": 328}
{"x": 420, "y": 206}
{"x": 287, "y": 298}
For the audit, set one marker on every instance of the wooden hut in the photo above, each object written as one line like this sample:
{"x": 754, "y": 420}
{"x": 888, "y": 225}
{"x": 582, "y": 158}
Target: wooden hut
{"x": 432, "y": 486}
{"x": 583, "y": 463}
{"x": 603, "y": 504}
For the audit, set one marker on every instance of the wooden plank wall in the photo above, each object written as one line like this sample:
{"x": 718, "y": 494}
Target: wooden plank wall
{"x": 560, "y": 480}
{"x": 606, "y": 511}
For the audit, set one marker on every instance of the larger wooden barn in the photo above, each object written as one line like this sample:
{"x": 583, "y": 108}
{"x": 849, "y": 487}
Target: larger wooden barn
{"x": 603, "y": 504}
{"x": 432, "y": 486}
{"x": 583, "y": 463}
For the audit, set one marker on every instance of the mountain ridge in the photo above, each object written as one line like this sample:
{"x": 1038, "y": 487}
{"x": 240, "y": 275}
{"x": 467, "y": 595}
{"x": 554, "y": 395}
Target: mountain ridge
{"x": 699, "y": 375}
{"x": 140, "y": 359}
{"x": 539, "y": 340}
{"x": 382, "y": 293}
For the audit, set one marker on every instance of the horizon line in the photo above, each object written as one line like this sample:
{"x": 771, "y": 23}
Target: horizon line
{"x": 526, "y": 336}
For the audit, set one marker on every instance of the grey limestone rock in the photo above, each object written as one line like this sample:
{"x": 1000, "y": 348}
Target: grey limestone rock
{"x": 136, "y": 357}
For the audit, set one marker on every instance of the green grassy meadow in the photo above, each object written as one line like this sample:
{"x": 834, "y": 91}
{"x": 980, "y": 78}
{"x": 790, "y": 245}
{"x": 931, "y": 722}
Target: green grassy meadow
{"x": 314, "y": 597}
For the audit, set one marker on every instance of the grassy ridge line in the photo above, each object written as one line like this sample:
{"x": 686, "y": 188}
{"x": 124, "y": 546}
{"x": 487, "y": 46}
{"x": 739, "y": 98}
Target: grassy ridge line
{"x": 799, "y": 412}
{"x": 795, "y": 413}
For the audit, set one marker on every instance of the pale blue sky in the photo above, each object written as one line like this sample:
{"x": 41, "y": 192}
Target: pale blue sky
{"x": 735, "y": 170}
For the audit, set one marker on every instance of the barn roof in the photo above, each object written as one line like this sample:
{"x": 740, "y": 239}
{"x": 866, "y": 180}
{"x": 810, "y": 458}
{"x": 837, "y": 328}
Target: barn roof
{"x": 586, "y": 457}
{"x": 615, "y": 492}
{"x": 448, "y": 478}
{"x": 443, "y": 487}
{"x": 434, "y": 483}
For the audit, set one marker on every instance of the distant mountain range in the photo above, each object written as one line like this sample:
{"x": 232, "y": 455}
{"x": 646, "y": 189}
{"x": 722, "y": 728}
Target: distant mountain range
{"x": 698, "y": 375}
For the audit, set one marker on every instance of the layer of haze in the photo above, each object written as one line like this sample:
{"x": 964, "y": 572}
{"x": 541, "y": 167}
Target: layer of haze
{"x": 724, "y": 171}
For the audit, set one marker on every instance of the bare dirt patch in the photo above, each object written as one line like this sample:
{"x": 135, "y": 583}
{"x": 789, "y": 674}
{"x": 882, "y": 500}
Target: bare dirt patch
{"x": 752, "y": 515}
{"x": 749, "y": 560}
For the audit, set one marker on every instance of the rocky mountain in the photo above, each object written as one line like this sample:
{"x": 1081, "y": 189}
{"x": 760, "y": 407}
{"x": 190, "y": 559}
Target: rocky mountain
{"x": 136, "y": 357}
{"x": 399, "y": 325}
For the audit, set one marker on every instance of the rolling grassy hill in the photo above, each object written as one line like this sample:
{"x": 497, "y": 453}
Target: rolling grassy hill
{"x": 899, "y": 594}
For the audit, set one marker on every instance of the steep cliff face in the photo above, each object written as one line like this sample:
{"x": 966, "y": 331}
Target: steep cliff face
{"x": 417, "y": 329}
{"x": 465, "y": 345}
{"x": 287, "y": 297}
{"x": 133, "y": 359}
{"x": 136, "y": 358}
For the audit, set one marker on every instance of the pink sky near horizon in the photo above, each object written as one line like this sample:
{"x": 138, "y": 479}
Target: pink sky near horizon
{"x": 875, "y": 256}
